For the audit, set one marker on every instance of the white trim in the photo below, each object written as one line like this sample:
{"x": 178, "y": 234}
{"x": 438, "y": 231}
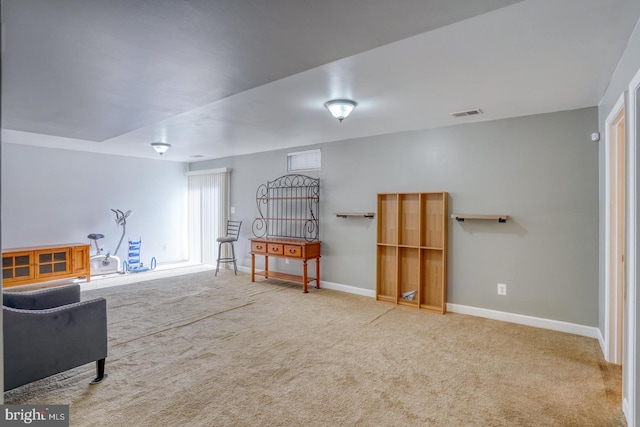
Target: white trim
{"x": 625, "y": 410}
{"x": 521, "y": 319}
{"x": 610, "y": 299}
{"x": 333, "y": 286}
{"x": 601, "y": 340}
{"x": 244, "y": 269}
{"x": 348, "y": 289}
{"x": 208, "y": 171}
{"x": 629, "y": 367}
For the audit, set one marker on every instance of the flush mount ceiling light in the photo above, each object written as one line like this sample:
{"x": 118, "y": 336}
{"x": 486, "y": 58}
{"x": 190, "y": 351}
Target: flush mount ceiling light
{"x": 160, "y": 147}
{"x": 340, "y": 108}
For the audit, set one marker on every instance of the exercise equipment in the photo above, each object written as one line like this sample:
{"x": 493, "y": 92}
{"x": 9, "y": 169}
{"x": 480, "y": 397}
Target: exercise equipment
{"x": 133, "y": 264}
{"x": 108, "y": 263}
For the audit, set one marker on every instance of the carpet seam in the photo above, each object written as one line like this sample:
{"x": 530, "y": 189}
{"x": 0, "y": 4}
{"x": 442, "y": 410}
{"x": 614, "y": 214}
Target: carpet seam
{"x": 186, "y": 324}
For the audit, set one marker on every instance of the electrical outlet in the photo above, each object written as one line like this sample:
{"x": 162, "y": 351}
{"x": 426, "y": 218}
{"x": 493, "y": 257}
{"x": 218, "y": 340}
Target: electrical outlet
{"x": 233, "y": 209}
{"x": 286, "y": 261}
{"x": 502, "y": 289}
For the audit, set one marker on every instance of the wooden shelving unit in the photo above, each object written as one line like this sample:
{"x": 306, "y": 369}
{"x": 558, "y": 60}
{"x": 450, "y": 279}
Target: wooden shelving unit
{"x": 412, "y": 250}
{"x": 288, "y": 226}
{"x": 291, "y": 249}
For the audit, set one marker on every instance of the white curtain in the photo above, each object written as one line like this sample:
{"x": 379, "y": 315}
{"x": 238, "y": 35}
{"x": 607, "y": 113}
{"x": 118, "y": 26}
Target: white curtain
{"x": 208, "y": 213}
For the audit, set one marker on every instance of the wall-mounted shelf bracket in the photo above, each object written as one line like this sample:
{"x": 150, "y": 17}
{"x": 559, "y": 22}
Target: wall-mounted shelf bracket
{"x": 369, "y": 215}
{"x": 461, "y": 217}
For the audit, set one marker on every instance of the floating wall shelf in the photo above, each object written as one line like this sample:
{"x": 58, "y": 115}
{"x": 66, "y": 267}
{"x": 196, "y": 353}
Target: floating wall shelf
{"x": 461, "y": 217}
{"x": 369, "y": 215}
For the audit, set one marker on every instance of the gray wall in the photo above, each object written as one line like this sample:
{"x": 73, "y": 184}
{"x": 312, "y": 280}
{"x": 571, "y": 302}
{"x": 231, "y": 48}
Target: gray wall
{"x": 54, "y": 196}
{"x": 540, "y": 170}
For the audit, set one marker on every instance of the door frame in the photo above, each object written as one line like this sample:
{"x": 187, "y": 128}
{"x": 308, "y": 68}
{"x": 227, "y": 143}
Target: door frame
{"x": 629, "y": 367}
{"x": 614, "y": 304}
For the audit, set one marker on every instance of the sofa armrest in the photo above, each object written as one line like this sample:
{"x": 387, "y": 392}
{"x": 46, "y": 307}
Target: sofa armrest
{"x": 42, "y": 299}
{"x": 40, "y": 343}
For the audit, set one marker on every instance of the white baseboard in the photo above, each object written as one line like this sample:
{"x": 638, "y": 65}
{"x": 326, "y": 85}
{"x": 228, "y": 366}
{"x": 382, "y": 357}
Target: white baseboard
{"x": 521, "y": 319}
{"x": 602, "y": 344}
{"x": 333, "y": 286}
{"x": 349, "y": 289}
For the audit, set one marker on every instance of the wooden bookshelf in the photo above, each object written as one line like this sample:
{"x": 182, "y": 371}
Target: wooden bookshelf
{"x": 412, "y": 250}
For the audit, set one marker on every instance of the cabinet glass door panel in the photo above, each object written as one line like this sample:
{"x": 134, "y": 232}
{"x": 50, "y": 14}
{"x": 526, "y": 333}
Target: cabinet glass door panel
{"x": 53, "y": 262}
{"x": 22, "y": 272}
{"x": 44, "y": 269}
{"x": 44, "y": 258}
{"x": 17, "y": 266}
{"x": 22, "y": 260}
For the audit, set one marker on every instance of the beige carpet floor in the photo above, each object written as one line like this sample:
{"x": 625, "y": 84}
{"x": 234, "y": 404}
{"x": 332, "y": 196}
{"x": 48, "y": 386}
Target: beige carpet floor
{"x": 199, "y": 350}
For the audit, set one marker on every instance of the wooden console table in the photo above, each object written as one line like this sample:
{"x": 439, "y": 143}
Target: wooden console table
{"x": 21, "y": 266}
{"x": 297, "y": 249}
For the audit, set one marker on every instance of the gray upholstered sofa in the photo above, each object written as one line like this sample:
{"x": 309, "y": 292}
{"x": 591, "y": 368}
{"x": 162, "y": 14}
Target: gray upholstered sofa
{"x": 49, "y": 331}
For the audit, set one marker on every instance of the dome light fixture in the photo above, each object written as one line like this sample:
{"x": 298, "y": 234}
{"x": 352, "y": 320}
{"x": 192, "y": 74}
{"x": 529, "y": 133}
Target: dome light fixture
{"x": 340, "y": 108}
{"x": 160, "y": 147}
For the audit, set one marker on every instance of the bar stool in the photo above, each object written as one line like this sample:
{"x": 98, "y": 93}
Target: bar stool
{"x": 233, "y": 231}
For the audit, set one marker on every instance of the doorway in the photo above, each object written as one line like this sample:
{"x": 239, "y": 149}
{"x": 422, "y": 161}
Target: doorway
{"x": 615, "y": 240}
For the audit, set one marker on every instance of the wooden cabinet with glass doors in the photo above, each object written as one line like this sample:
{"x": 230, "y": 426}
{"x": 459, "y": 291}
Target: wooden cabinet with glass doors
{"x": 412, "y": 250}
{"x": 22, "y": 266}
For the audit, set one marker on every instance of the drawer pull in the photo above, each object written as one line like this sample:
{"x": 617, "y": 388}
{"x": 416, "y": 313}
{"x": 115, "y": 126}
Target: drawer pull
{"x": 258, "y": 247}
{"x": 292, "y": 251}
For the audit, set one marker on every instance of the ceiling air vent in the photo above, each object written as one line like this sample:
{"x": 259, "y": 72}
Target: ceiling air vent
{"x": 467, "y": 113}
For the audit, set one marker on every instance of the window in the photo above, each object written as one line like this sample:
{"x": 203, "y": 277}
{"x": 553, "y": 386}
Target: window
{"x": 309, "y": 160}
{"x": 208, "y": 201}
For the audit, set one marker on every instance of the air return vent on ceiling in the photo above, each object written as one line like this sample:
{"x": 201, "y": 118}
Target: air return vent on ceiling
{"x": 467, "y": 113}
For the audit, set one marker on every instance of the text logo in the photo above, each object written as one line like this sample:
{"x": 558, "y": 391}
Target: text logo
{"x": 35, "y": 415}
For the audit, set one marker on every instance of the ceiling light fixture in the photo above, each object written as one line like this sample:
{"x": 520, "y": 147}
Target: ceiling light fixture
{"x": 340, "y": 108}
{"x": 160, "y": 147}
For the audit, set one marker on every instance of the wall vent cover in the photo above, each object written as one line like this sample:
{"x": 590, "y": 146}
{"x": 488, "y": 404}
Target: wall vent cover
{"x": 467, "y": 113}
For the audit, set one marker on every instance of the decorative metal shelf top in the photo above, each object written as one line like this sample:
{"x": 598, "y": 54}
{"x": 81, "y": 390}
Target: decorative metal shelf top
{"x": 461, "y": 217}
{"x": 355, "y": 214}
{"x": 288, "y": 207}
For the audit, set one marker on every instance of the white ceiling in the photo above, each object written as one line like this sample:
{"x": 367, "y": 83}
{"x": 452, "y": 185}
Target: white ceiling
{"x": 230, "y": 77}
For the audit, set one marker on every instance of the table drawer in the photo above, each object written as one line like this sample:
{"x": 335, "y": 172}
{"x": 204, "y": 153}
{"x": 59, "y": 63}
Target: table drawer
{"x": 258, "y": 247}
{"x": 275, "y": 249}
{"x": 293, "y": 251}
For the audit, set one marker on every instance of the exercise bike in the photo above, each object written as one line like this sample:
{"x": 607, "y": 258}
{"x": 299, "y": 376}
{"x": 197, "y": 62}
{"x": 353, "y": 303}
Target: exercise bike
{"x": 105, "y": 264}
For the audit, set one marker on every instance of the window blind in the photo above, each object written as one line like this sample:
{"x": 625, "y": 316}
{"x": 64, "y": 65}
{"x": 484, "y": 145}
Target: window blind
{"x": 304, "y": 161}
